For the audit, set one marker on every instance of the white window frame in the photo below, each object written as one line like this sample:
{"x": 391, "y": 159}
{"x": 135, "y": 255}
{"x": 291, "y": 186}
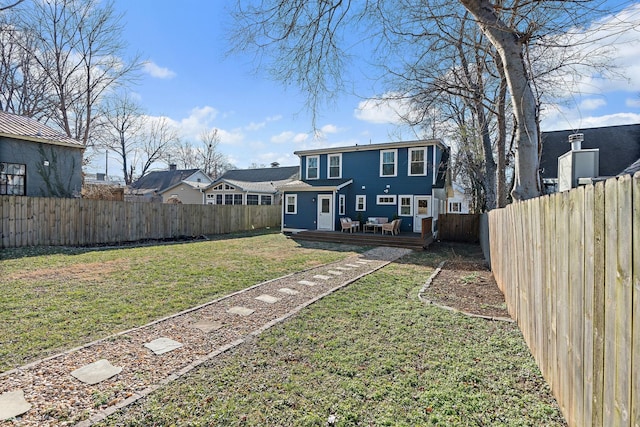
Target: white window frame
{"x": 395, "y": 163}
{"x": 458, "y": 206}
{"x": 424, "y": 161}
{"x": 317, "y": 168}
{"x": 251, "y": 195}
{"x": 264, "y": 196}
{"x": 339, "y": 156}
{"x": 293, "y": 203}
{"x": 362, "y": 197}
{"x": 342, "y": 204}
{"x": 410, "y": 205}
{"x": 393, "y": 199}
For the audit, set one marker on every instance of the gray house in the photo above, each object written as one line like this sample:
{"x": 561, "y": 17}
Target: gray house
{"x": 596, "y": 154}
{"x": 38, "y": 161}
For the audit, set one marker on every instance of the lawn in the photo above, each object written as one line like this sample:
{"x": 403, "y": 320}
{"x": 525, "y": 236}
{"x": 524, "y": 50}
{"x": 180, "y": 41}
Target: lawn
{"x": 369, "y": 355}
{"x": 52, "y": 299}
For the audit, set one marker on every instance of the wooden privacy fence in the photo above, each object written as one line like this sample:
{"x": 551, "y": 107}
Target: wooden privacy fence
{"x": 459, "y": 227}
{"x": 36, "y": 221}
{"x": 569, "y": 266}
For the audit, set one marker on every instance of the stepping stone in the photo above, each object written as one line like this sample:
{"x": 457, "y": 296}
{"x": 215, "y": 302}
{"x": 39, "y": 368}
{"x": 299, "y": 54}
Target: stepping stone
{"x": 268, "y": 299}
{"x": 288, "y": 291}
{"x": 207, "y": 326}
{"x": 12, "y": 404}
{"x": 96, "y": 372}
{"x": 307, "y": 283}
{"x": 163, "y": 345}
{"x": 335, "y": 273}
{"x": 353, "y": 265}
{"x": 240, "y": 311}
{"x": 343, "y": 269}
{"x": 321, "y": 277}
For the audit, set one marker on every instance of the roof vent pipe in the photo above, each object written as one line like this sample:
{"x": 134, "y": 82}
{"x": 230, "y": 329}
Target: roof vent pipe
{"x": 576, "y": 141}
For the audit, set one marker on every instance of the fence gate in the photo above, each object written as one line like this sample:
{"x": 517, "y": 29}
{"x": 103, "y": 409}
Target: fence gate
{"x": 459, "y": 227}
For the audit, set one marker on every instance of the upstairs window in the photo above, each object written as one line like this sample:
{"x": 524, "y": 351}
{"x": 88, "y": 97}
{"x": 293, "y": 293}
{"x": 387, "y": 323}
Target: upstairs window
{"x": 12, "y": 179}
{"x": 417, "y": 162}
{"x": 388, "y": 163}
{"x": 335, "y": 166}
{"x": 312, "y": 167}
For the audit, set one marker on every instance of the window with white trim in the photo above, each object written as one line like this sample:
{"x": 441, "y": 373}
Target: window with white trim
{"x": 405, "y": 208}
{"x": 361, "y": 203}
{"x": 342, "y": 204}
{"x": 455, "y": 207}
{"x": 334, "y": 165}
{"x": 384, "y": 199}
{"x": 417, "y": 162}
{"x": 228, "y": 187}
{"x": 218, "y": 199}
{"x": 292, "y": 204}
{"x": 252, "y": 199}
{"x": 313, "y": 167}
{"x": 266, "y": 199}
{"x": 237, "y": 199}
{"x": 388, "y": 163}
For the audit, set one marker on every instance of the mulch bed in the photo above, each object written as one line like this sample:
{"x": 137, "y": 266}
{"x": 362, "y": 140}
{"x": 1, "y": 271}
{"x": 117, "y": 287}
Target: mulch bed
{"x": 467, "y": 286}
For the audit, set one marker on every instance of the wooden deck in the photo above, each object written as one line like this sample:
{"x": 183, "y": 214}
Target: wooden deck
{"x": 402, "y": 240}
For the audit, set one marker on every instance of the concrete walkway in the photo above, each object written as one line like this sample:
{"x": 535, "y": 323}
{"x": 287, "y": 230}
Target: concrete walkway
{"x": 85, "y": 385}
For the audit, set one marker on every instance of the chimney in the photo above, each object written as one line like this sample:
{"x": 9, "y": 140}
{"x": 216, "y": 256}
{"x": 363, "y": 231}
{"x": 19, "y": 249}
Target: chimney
{"x": 173, "y": 167}
{"x": 576, "y": 141}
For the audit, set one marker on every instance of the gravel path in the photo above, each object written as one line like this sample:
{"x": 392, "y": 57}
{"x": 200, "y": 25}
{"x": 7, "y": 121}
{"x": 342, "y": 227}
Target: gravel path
{"x": 59, "y": 399}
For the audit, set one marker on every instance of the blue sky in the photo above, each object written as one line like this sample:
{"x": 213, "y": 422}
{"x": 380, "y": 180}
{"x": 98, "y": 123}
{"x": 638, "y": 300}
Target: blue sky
{"x": 189, "y": 79}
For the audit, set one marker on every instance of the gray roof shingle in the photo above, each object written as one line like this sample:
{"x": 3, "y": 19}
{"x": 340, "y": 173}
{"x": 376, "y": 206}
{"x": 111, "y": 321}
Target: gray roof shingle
{"x": 618, "y": 146}
{"x": 161, "y": 180}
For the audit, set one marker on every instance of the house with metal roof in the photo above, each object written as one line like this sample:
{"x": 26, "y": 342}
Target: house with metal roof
{"x": 37, "y": 160}
{"x": 370, "y": 184}
{"x": 250, "y": 186}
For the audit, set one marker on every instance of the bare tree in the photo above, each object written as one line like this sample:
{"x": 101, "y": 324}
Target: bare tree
{"x": 305, "y": 38}
{"x": 78, "y": 48}
{"x": 119, "y": 130}
{"x": 156, "y": 142}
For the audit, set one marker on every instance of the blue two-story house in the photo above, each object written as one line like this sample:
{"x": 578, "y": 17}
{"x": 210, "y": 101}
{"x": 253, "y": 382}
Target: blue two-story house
{"x": 392, "y": 180}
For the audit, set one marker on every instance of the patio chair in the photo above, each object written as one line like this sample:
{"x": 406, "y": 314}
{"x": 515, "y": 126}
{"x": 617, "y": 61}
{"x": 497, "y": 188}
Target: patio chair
{"x": 347, "y": 224}
{"x": 390, "y": 227}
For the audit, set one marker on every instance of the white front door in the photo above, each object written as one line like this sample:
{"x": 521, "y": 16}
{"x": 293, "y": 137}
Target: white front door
{"x": 325, "y": 212}
{"x": 421, "y": 209}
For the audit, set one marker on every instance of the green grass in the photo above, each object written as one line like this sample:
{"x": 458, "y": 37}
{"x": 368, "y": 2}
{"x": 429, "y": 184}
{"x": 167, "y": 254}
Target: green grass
{"x": 370, "y": 355}
{"x": 53, "y": 299}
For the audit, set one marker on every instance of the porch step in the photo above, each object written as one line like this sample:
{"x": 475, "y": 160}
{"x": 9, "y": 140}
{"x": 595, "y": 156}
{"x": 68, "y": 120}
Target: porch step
{"x": 408, "y": 240}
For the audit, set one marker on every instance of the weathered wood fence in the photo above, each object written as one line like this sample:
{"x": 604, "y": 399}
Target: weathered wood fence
{"x": 569, "y": 266}
{"x": 459, "y": 227}
{"x": 35, "y": 221}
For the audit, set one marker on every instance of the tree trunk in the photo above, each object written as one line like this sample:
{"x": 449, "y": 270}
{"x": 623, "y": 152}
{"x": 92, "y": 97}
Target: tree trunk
{"x": 509, "y": 47}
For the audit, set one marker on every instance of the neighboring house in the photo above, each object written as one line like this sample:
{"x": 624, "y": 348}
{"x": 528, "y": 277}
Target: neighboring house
{"x": 38, "y": 161}
{"x": 250, "y": 186}
{"x": 399, "y": 179}
{"x": 187, "y": 185}
{"x": 608, "y": 151}
{"x": 460, "y": 201}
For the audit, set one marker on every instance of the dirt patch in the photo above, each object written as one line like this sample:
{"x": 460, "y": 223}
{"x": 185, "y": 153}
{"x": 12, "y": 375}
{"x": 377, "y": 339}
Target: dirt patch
{"x": 74, "y": 272}
{"x": 467, "y": 286}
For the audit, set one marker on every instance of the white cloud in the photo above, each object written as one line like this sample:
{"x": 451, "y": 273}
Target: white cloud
{"x": 388, "y": 110}
{"x": 199, "y": 119}
{"x": 567, "y": 119}
{"x": 154, "y": 70}
{"x": 289, "y": 136}
{"x": 329, "y": 128}
{"x": 592, "y": 104}
{"x": 633, "y": 102}
{"x": 254, "y": 126}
